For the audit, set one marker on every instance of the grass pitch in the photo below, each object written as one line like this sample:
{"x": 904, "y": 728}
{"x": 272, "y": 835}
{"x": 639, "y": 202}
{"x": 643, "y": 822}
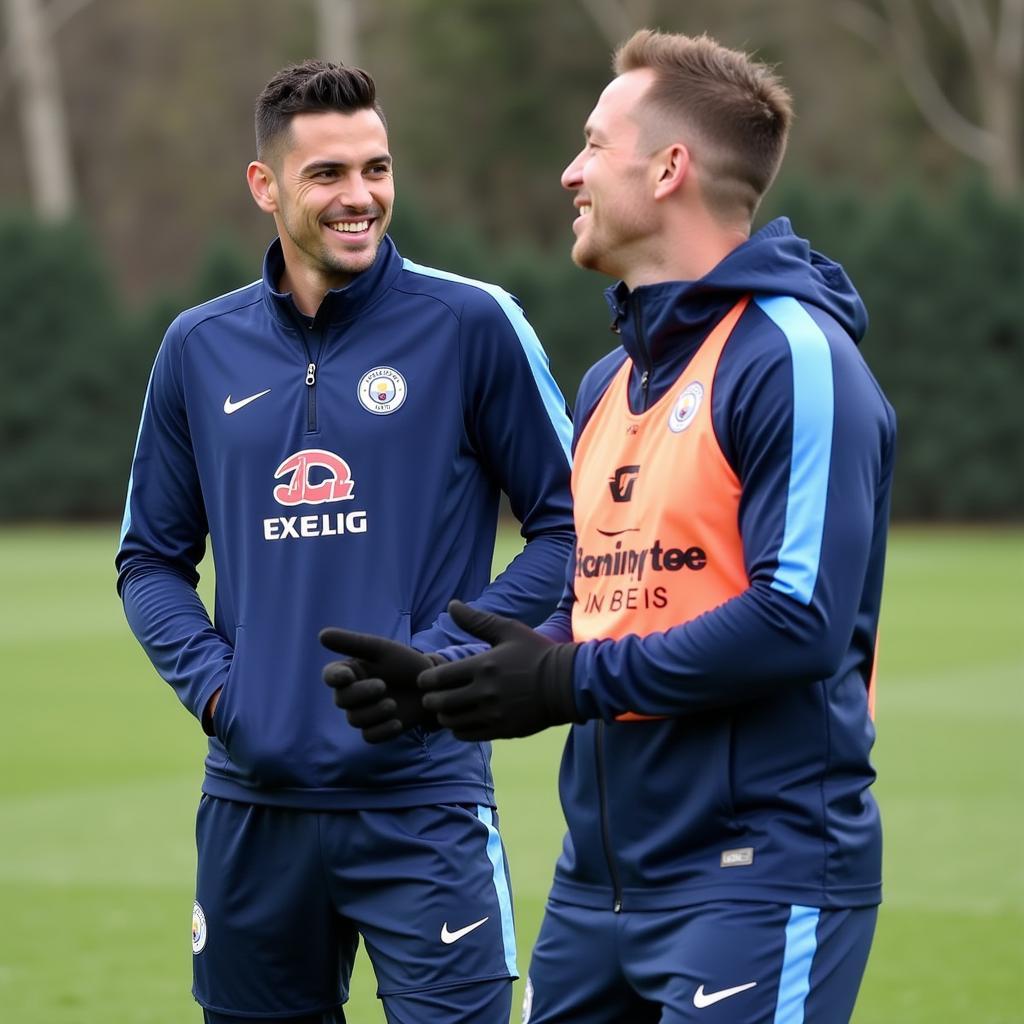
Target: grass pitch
{"x": 100, "y": 771}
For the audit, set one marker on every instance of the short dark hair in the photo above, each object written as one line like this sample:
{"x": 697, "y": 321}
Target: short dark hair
{"x": 313, "y": 86}
{"x": 736, "y": 110}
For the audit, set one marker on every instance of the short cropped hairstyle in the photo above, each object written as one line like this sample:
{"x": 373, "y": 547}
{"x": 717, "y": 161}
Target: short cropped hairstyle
{"x": 733, "y": 113}
{"x": 314, "y": 86}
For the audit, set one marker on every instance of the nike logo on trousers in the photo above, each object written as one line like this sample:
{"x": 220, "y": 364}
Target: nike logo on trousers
{"x": 702, "y": 998}
{"x": 448, "y": 937}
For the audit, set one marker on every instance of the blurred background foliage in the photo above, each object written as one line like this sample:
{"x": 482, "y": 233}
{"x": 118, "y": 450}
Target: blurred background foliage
{"x": 129, "y": 125}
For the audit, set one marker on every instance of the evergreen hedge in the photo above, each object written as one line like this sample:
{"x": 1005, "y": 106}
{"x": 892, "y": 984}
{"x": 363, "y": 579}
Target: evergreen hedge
{"x": 943, "y": 280}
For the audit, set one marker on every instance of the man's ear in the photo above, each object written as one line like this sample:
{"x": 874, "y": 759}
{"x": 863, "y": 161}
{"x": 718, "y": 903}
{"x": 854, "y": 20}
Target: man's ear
{"x": 262, "y": 185}
{"x": 671, "y": 166}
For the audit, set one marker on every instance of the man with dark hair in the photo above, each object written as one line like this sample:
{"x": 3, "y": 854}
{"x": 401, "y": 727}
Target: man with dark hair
{"x": 340, "y": 429}
{"x": 715, "y": 647}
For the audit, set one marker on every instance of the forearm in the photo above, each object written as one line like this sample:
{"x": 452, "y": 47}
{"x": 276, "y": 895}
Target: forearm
{"x": 741, "y": 651}
{"x": 170, "y": 622}
{"x": 527, "y": 591}
{"x": 558, "y": 626}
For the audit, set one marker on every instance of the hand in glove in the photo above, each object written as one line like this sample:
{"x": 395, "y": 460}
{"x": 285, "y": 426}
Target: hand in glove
{"x": 376, "y": 685}
{"x": 521, "y": 685}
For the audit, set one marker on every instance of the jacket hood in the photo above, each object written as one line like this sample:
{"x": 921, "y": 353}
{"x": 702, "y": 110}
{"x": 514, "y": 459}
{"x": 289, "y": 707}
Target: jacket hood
{"x": 774, "y": 261}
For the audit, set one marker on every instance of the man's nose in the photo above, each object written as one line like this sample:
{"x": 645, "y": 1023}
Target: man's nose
{"x": 354, "y": 192}
{"x": 572, "y": 177}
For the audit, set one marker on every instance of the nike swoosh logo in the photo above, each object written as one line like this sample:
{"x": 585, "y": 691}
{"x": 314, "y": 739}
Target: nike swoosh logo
{"x": 615, "y": 533}
{"x": 448, "y": 937}
{"x": 230, "y": 407}
{"x": 702, "y": 998}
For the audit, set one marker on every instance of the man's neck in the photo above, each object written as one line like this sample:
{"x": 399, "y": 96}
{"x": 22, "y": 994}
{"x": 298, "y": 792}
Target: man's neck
{"x": 685, "y": 255}
{"x": 308, "y": 285}
{"x": 307, "y": 300}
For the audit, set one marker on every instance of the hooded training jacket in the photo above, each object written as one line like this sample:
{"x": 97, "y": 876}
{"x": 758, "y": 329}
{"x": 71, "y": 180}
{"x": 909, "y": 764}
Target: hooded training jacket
{"x": 347, "y": 470}
{"x": 743, "y": 771}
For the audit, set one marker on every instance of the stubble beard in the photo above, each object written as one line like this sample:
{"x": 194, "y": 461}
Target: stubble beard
{"x": 584, "y": 252}
{"x": 332, "y": 264}
{"x": 308, "y": 240}
{"x": 590, "y": 256}
{"x": 614, "y": 247}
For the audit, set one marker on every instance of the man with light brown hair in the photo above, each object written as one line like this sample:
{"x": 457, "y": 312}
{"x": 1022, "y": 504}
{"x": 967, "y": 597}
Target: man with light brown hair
{"x": 715, "y": 646}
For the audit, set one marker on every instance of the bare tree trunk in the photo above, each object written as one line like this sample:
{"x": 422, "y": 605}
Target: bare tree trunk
{"x": 994, "y": 45}
{"x": 1000, "y": 109}
{"x": 1003, "y": 99}
{"x": 338, "y": 31}
{"x": 36, "y": 73}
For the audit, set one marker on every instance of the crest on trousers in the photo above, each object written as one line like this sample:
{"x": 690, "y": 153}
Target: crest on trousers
{"x": 527, "y": 1001}
{"x": 198, "y": 928}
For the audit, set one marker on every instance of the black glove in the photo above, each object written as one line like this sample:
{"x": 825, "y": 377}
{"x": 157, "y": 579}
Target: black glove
{"x": 521, "y": 685}
{"x": 377, "y": 688}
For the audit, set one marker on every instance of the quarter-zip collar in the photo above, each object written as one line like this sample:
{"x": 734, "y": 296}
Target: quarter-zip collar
{"x": 339, "y": 304}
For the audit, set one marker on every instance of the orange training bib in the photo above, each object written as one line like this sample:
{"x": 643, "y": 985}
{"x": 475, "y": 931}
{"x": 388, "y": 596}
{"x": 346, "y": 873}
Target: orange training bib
{"x": 656, "y": 506}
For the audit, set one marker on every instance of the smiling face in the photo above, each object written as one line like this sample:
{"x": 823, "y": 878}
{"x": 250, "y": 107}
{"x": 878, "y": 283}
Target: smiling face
{"x": 612, "y": 181}
{"x": 331, "y": 190}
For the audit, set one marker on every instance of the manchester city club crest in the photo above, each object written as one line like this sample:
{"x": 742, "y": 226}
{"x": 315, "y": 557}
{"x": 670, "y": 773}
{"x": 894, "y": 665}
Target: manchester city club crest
{"x": 686, "y": 407}
{"x": 382, "y": 390}
{"x": 198, "y": 928}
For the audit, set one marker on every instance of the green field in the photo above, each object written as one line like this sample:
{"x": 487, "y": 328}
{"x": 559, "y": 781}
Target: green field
{"x": 100, "y": 771}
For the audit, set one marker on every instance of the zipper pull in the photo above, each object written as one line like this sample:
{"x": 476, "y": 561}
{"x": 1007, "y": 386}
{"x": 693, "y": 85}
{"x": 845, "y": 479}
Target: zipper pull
{"x": 643, "y": 379}
{"x": 311, "y": 374}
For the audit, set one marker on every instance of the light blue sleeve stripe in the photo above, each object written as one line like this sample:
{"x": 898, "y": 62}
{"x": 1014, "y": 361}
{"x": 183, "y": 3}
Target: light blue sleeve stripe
{"x": 126, "y": 520}
{"x": 496, "y": 854}
{"x": 800, "y": 553}
{"x": 554, "y": 403}
{"x": 795, "y": 980}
